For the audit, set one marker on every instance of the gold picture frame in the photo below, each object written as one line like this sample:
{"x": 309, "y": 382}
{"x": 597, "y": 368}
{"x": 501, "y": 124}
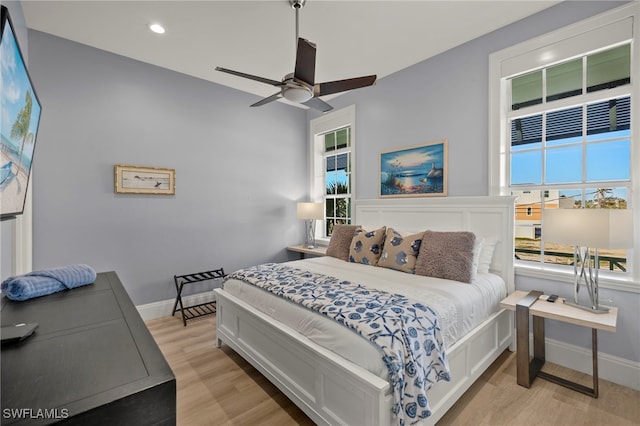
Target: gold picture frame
{"x": 131, "y": 179}
{"x": 415, "y": 171}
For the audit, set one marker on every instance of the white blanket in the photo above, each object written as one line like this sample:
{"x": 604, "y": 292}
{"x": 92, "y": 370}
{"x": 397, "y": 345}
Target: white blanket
{"x": 460, "y": 306}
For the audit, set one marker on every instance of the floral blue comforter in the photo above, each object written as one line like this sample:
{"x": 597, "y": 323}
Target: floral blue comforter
{"x": 406, "y": 331}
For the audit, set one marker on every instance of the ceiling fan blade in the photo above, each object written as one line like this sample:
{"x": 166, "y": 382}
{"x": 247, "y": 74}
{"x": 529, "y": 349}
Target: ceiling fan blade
{"x": 251, "y": 77}
{"x": 305, "y": 61}
{"x": 343, "y": 85}
{"x": 267, "y": 99}
{"x": 319, "y": 104}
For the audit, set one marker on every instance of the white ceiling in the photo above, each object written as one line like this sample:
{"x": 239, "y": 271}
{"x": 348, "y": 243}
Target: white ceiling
{"x": 258, "y": 37}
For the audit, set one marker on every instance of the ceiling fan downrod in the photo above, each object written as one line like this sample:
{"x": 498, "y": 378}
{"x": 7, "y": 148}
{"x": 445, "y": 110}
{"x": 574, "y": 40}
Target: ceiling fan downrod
{"x": 297, "y": 5}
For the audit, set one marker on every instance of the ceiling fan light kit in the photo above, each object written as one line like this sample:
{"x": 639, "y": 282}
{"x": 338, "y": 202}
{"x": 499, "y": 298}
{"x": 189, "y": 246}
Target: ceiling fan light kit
{"x": 297, "y": 94}
{"x": 300, "y": 87}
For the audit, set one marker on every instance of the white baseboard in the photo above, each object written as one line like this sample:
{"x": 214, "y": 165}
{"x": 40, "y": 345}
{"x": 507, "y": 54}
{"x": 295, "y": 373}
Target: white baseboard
{"x": 612, "y": 368}
{"x": 163, "y": 308}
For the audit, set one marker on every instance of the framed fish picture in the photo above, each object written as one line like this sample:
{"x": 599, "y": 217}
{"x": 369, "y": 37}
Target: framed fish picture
{"x": 144, "y": 180}
{"x": 416, "y": 171}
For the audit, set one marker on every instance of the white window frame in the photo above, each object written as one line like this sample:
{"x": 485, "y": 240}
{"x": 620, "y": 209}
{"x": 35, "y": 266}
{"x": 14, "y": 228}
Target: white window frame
{"x": 599, "y": 32}
{"x": 345, "y": 117}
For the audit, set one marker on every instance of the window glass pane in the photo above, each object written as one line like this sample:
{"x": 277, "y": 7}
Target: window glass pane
{"x": 608, "y": 161}
{"x": 341, "y": 207}
{"x": 527, "y": 242}
{"x": 564, "y": 126}
{"x": 611, "y": 198}
{"x": 331, "y": 163}
{"x": 609, "y": 119}
{"x": 329, "y": 226}
{"x": 342, "y": 138}
{"x": 329, "y": 207}
{"x": 563, "y": 165}
{"x": 526, "y": 90}
{"x": 341, "y": 185}
{"x": 526, "y": 132}
{"x": 566, "y": 199}
{"x": 330, "y": 142}
{"x": 609, "y": 69}
{"x": 331, "y": 183}
{"x": 564, "y": 80}
{"x": 555, "y": 253}
{"x": 526, "y": 168}
{"x": 342, "y": 161}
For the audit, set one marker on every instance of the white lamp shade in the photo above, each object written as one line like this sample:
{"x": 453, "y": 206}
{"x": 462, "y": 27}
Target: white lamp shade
{"x": 595, "y": 228}
{"x": 310, "y": 211}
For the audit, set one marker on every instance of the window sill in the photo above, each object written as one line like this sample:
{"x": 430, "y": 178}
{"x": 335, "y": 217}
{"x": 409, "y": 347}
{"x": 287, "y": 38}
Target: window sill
{"x": 565, "y": 275}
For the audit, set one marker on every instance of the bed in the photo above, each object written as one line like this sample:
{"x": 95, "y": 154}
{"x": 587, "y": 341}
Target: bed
{"x": 335, "y": 382}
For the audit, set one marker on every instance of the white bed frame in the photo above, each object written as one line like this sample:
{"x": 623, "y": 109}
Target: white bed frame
{"x": 332, "y": 390}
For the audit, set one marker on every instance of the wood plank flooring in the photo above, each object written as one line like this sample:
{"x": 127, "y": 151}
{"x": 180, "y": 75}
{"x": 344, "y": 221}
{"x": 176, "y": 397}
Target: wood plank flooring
{"x": 217, "y": 387}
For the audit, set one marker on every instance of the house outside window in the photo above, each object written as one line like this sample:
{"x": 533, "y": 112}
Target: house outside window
{"x": 332, "y": 178}
{"x": 565, "y": 131}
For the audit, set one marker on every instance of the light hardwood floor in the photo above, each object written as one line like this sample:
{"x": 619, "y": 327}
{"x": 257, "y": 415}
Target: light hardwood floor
{"x": 217, "y": 387}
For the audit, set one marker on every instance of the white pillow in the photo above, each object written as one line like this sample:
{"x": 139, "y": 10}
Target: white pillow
{"x": 486, "y": 254}
{"x": 477, "y": 248}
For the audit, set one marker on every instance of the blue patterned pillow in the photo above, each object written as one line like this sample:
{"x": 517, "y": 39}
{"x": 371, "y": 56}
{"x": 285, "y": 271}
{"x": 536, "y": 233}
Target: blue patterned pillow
{"x": 366, "y": 246}
{"x": 400, "y": 252}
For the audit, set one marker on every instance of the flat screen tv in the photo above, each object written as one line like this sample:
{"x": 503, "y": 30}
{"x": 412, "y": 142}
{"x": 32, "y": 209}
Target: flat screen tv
{"x": 20, "y": 117}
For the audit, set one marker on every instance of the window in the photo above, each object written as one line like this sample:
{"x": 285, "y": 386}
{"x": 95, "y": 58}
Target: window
{"x": 337, "y": 178}
{"x": 565, "y": 132}
{"x": 332, "y": 167}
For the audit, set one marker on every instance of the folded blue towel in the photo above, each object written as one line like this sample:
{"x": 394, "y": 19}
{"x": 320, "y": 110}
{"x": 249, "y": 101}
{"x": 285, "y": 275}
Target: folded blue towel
{"x": 41, "y": 283}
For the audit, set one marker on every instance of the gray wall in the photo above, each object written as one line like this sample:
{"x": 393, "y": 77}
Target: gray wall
{"x": 446, "y": 97}
{"x": 239, "y": 170}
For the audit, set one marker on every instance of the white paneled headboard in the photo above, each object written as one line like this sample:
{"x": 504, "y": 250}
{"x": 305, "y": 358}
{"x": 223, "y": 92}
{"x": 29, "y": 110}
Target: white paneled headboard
{"x": 484, "y": 216}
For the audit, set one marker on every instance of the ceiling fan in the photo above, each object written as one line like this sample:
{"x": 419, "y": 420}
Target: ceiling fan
{"x": 300, "y": 86}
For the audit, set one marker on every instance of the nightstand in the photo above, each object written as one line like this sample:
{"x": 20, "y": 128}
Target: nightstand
{"x": 305, "y": 251}
{"x": 528, "y": 304}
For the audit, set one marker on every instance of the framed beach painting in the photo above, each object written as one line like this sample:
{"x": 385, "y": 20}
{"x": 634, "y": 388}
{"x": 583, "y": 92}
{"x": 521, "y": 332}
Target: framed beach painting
{"x": 416, "y": 171}
{"x": 144, "y": 180}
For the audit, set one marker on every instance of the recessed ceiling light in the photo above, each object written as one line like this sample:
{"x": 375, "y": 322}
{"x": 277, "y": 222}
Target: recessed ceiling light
{"x": 157, "y": 28}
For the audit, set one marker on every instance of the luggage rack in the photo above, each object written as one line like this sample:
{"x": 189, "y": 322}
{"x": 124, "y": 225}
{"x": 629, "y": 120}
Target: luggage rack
{"x": 202, "y": 309}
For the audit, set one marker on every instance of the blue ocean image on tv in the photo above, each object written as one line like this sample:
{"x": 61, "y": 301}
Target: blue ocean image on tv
{"x": 20, "y": 117}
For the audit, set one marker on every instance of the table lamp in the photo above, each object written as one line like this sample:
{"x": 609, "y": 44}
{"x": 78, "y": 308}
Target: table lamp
{"x": 310, "y": 212}
{"x": 584, "y": 229}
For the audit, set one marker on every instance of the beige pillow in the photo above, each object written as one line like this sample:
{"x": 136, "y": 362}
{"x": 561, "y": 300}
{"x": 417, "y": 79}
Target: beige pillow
{"x": 366, "y": 246}
{"x": 341, "y": 241}
{"x": 447, "y": 255}
{"x": 400, "y": 252}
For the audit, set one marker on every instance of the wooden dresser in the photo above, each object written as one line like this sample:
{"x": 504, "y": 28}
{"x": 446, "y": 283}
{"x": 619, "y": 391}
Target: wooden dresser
{"x": 90, "y": 361}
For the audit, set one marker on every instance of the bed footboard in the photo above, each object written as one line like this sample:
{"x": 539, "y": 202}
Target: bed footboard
{"x": 329, "y": 389}
{"x": 332, "y": 390}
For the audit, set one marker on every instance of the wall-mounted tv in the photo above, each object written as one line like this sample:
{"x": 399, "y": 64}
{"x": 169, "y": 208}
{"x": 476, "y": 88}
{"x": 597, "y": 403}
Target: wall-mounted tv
{"x": 20, "y": 115}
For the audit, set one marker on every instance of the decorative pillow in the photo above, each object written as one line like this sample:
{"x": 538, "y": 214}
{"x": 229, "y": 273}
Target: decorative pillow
{"x": 486, "y": 254}
{"x": 477, "y": 249}
{"x": 366, "y": 246}
{"x": 447, "y": 255}
{"x": 400, "y": 252}
{"x": 341, "y": 241}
